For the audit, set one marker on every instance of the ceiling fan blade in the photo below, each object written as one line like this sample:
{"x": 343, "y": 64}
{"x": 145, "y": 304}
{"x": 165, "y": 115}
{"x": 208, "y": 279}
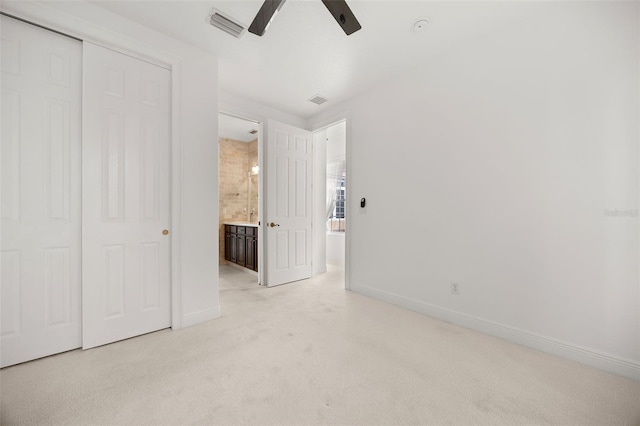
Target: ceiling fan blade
{"x": 341, "y": 11}
{"x": 265, "y": 15}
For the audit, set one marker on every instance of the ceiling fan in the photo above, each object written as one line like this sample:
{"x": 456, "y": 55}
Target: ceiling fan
{"x": 338, "y": 8}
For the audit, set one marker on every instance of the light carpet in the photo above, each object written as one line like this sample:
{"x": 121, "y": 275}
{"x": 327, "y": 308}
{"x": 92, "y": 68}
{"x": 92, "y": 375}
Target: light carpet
{"x": 312, "y": 353}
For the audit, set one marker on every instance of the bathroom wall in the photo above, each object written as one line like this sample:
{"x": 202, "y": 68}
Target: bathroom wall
{"x": 234, "y": 162}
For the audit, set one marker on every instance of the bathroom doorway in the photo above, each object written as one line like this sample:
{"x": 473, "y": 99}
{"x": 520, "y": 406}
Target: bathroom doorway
{"x": 239, "y": 202}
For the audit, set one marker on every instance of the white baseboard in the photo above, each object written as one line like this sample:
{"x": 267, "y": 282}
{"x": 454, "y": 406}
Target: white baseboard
{"x": 200, "y": 316}
{"x": 622, "y": 367}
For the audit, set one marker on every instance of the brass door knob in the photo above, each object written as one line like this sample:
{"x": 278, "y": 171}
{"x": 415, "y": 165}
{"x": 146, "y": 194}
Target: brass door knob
{"x": 165, "y": 232}
{"x": 273, "y": 225}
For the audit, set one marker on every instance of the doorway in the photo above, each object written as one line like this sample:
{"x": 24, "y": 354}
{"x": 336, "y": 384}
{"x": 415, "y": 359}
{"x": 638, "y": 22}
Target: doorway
{"x": 331, "y": 196}
{"x": 336, "y": 193}
{"x": 239, "y": 202}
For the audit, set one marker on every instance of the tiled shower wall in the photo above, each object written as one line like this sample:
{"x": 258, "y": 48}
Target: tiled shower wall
{"x": 234, "y": 163}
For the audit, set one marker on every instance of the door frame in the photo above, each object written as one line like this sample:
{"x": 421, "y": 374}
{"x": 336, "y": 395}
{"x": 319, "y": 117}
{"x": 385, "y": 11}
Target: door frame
{"x": 316, "y": 126}
{"x": 230, "y": 108}
{"x": 40, "y": 14}
{"x": 243, "y": 115}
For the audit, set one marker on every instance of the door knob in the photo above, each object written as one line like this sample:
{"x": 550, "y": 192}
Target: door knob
{"x": 165, "y": 232}
{"x": 273, "y": 225}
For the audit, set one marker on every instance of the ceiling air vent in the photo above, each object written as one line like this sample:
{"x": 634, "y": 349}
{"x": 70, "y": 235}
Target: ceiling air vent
{"x": 318, "y": 100}
{"x": 226, "y": 23}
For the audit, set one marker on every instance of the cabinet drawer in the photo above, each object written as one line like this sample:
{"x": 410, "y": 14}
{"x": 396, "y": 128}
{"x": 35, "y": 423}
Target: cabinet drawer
{"x": 230, "y": 229}
{"x": 241, "y": 229}
{"x": 251, "y": 230}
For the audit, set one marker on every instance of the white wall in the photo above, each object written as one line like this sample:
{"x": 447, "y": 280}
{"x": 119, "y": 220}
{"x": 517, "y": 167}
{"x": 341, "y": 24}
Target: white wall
{"x": 335, "y": 248}
{"x": 195, "y": 236}
{"x": 319, "y": 241}
{"x": 337, "y": 141}
{"x": 492, "y": 166}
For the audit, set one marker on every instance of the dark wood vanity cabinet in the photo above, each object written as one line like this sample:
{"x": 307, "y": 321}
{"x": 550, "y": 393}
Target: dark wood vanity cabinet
{"x": 230, "y": 243}
{"x": 241, "y": 245}
{"x": 251, "y": 250}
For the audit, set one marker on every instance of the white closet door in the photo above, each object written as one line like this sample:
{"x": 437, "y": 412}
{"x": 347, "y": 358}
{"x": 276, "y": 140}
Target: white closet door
{"x": 125, "y": 204}
{"x": 40, "y": 193}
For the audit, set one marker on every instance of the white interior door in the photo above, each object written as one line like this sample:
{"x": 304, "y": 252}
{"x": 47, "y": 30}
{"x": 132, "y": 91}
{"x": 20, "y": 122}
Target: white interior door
{"x": 40, "y": 193}
{"x": 288, "y": 204}
{"x": 125, "y": 206}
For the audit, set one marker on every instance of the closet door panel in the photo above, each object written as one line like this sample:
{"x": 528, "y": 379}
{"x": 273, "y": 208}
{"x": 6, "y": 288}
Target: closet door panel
{"x": 40, "y": 225}
{"x": 126, "y": 276}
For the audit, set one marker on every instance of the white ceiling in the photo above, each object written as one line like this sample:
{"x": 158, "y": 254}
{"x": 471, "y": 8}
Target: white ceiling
{"x": 236, "y": 128}
{"x": 305, "y": 52}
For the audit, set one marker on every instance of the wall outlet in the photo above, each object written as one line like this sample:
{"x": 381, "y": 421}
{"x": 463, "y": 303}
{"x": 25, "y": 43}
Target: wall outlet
{"x": 455, "y": 288}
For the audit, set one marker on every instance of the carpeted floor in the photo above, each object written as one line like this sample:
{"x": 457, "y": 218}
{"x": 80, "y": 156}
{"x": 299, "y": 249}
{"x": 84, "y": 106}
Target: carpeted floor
{"x": 312, "y": 353}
